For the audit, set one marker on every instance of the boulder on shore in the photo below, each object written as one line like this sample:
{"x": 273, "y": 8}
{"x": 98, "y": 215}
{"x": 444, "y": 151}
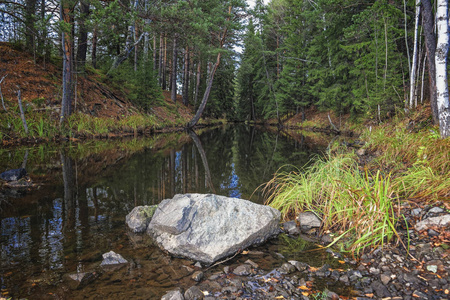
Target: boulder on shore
{"x": 138, "y": 219}
{"x": 207, "y": 227}
{"x": 14, "y": 174}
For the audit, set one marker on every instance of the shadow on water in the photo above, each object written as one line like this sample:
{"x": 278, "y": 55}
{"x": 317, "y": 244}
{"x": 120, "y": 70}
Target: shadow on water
{"x": 83, "y": 192}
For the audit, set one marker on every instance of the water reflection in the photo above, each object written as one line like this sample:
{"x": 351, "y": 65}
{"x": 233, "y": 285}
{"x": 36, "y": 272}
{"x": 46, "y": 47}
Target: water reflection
{"x": 79, "y": 210}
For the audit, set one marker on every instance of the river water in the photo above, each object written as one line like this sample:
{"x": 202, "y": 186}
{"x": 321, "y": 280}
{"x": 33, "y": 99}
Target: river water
{"x": 83, "y": 191}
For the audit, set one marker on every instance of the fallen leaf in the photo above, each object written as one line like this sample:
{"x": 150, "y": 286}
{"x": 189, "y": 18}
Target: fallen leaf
{"x": 305, "y": 293}
{"x": 302, "y": 287}
{"x": 341, "y": 261}
{"x": 245, "y": 252}
{"x": 369, "y": 295}
{"x": 279, "y": 297}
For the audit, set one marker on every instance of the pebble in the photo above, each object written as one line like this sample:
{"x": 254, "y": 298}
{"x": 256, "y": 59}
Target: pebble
{"x": 193, "y": 293}
{"x": 385, "y": 279}
{"x": 436, "y": 210}
{"x": 252, "y": 263}
{"x": 243, "y": 270}
{"x": 416, "y": 211}
{"x": 197, "y": 276}
{"x": 173, "y": 295}
{"x": 287, "y": 268}
{"x": 300, "y": 266}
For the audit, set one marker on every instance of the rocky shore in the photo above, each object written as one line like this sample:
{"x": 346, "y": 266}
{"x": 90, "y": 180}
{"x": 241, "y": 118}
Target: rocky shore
{"x": 388, "y": 273}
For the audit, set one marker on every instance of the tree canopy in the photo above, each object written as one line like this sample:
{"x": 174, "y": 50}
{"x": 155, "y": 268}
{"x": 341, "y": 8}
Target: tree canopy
{"x": 369, "y": 58}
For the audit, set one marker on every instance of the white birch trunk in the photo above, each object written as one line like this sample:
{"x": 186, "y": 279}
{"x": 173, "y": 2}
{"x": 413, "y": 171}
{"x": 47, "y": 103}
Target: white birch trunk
{"x": 441, "y": 68}
{"x": 412, "y": 81}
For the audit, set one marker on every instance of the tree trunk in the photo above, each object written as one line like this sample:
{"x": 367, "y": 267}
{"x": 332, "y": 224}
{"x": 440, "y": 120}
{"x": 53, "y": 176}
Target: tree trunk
{"x": 174, "y": 69}
{"x": 1, "y": 95}
{"x": 186, "y": 77}
{"x": 22, "y": 114}
{"x": 129, "y": 46}
{"x": 83, "y": 35}
{"x": 66, "y": 41}
{"x": 412, "y": 81}
{"x": 43, "y": 35}
{"x": 136, "y": 48}
{"x": 197, "y": 84}
{"x": 94, "y": 48}
{"x": 155, "y": 63}
{"x": 164, "y": 81}
{"x": 160, "y": 65}
{"x": 406, "y": 35}
{"x": 30, "y": 11}
{"x": 441, "y": 68}
{"x": 202, "y": 106}
{"x": 430, "y": 44}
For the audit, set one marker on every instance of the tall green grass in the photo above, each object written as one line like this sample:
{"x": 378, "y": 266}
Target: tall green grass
{"x": 358, "y": 206}
{"x": 361, "y": 204}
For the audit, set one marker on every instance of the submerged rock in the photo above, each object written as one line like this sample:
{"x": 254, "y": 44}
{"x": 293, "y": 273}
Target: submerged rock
{"x": 207, "y": 227}
{"x": 193, "y": 293}
{"x": 80, "y": 280}
{"x": 14, "y": 174}
{"x": 138, "y": 219}
{"x": 112, "y": 258}
{"x": 173, "y": 295}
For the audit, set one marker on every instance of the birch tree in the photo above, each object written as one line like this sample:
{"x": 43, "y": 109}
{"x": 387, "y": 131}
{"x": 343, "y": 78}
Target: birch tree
{"x": 412, "y": 91}
{"x": 441, "y": 68}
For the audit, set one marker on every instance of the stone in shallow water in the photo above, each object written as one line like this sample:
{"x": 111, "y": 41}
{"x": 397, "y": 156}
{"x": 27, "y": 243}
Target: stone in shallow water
{"x": 14, "y": 174}
{"x": 80, "y": 280}
{"x": 138, "y": 219}
{"x": 206, "y": 228}
{"x": 308, "y": 220}
{"x": 112, "y": 258}
{"x": 193, "y": 293}
{"x": 173, "y": 295}
{"x": 243, "y": 270}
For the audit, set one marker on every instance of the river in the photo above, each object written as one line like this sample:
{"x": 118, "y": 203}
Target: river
{"x": 83, "y": 191}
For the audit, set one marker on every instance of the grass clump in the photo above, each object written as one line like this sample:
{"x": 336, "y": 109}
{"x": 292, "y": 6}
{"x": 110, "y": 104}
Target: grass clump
{"x": 358, "y": 206}
{"x": 419, "y": 162}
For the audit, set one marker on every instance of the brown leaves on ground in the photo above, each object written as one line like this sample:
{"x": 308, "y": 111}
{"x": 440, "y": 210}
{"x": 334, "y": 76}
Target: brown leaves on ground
{"x": 40, "y": 83}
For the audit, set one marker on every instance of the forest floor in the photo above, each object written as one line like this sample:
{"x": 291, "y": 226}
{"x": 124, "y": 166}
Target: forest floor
{"x": 96, "y": 96}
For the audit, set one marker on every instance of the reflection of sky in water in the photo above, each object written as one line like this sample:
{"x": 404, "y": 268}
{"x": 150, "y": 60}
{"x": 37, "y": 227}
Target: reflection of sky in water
{"x": 232, "y": 185}
{"x": 178, "y": 170}
{"x": 16, "y": 240}
{"x": 51, "y": 252}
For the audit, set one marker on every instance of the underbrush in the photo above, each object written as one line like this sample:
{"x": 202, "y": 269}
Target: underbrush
{"x": 362, "y": 205}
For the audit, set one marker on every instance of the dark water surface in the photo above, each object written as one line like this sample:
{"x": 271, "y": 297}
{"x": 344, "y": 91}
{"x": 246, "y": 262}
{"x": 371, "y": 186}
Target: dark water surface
{"x": 84, "y": 192}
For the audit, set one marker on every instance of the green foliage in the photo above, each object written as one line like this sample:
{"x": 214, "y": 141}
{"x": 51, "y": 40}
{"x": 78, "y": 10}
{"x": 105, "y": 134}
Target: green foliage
{"x": 303, "y": 53}
{"x": 360, "y": 207}
{"x": 141, "y": 85}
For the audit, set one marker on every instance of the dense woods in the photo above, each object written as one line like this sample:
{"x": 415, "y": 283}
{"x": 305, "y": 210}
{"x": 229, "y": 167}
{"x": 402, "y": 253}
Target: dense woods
{"x": 367, "y": 58}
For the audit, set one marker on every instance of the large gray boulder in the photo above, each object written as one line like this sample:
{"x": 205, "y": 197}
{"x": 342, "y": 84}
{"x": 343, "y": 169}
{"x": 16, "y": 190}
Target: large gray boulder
{"x": 206, "y": 228}
{"x": 138, "y": 219}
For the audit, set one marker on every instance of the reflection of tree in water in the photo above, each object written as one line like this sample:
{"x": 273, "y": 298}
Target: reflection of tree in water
{"x": 202, "y": 153}
{"x": 259, "y": 154}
